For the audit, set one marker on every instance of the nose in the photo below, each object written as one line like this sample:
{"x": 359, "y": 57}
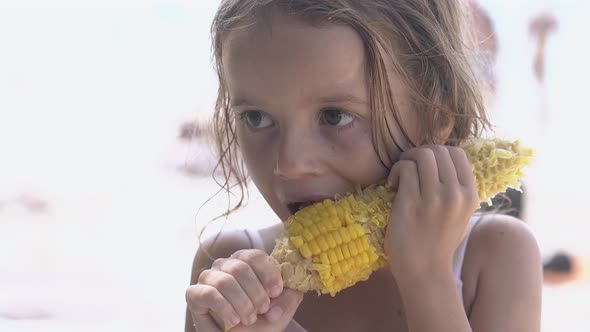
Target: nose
{"x": 297, "y": 157}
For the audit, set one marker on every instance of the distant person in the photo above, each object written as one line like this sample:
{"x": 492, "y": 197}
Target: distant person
{"x": 485, "y": 34}
{"x": 197, "y": 158}
{"x": 540, "y": 28}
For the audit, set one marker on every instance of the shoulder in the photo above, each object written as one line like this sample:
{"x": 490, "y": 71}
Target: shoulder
{"x": 218, "y": 246}
{"x": 505, "y": 263}
{"x": 502, "y": 237}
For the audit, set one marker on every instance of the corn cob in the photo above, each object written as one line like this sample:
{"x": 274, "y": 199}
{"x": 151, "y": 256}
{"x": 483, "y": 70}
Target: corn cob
{"x": 334, "y": 244}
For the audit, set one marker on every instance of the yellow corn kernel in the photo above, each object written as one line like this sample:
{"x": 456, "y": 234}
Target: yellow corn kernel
{"x": 314, "y": 230}
{"x": 334, "y": 222}
{"x": 307, "y": 221}
{"x": 332, "y": 256}
{"x": 332, "y": 210}
{"x": 337, "y": 237}
{"x": 307, "y": 235}
{"x": 340, "y": 213}
{"x": 358, "y": 260}
{"x": 353, "y": 234}
{"x": 295, "y": 229}
{"x": 323, "y": 243}
{"x": 357, "y": 229}
{"x": 345, "y": 235}
{"x": 297, "y": 241}
{"x": 345, "y": 252}
{"x": 315, "y": 249}
{"x": 353, "y": 249}
{"x": 324, "y": 258}
{"x": 331, "y": 241}
{"x": 338, "y": 252}
{"x": 305, "y": 251}
{"x": 348, "y": 219}
{"x": 345, "y": 266}
{"x": 365, "y": 258}
{"x": 362, "y": 243}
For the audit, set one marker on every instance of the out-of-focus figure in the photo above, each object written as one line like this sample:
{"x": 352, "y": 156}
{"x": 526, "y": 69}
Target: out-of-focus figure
{"x": 28, "y": 201}
{"x": 199, "y": 161}
{"x": 488, "y": 43}
{"x": 540, "y": 27}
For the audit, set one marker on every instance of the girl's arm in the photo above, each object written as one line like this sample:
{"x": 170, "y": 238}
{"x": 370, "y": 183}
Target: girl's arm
{"x": 509, "y": 291}
{"x": 435, "y": 199}
{"x": 509, "y": 284}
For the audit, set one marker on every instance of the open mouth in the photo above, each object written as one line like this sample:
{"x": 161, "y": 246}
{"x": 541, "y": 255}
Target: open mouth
{"x": 296, "y": 206}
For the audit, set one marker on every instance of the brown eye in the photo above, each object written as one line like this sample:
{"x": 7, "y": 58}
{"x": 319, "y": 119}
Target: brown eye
{"x": 256, "y": 119}
{"x": 337, "y": 118}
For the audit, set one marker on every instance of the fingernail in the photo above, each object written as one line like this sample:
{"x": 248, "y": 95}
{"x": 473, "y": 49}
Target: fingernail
{"x": 235, "y": 319}
{"x": 275, "y": 313}
{"x": 252, "y": 319}
{"x": 265, "y": 307}
{"x": 276, "y": 291}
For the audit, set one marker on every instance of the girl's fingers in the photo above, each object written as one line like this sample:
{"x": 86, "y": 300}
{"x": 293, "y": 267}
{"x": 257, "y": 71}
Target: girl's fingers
{"x": 465, "y": 175}
{"x": 202, "y": 298}
{"x": 267, "y": 272}
{"x": 205, "y": 323}
{"x": 404, "y": 179}
{"x": 248, "y": 280}
{"x": 279, "y": 316}
{"x": 231, "y": 290}
{"x": 447, "y": 173}
{"x": 284, "y": 306}
{"x": 463, "y": 166}
{"x": 426, "y": 162}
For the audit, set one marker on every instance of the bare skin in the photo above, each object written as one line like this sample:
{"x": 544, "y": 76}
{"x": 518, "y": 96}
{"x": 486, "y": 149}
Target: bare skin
{"x": 301, "y": 95}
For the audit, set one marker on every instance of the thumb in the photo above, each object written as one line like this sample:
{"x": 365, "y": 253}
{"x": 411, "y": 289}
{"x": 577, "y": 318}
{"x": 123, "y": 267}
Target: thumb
{"x": 284, "y": 306}
{"x": 282, "y": 309}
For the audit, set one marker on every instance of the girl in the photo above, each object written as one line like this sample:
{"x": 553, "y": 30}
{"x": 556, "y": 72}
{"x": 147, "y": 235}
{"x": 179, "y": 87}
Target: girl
{"x": 317, "y": 96}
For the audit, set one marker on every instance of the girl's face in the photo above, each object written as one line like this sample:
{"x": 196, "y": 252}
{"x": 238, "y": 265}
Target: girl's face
{"x": 301, "y": 98}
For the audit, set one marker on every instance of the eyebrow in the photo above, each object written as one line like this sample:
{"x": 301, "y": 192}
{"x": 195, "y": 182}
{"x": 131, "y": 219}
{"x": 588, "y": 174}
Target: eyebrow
{"x": 240, "y": 102}
{"x": 343, "y": 98}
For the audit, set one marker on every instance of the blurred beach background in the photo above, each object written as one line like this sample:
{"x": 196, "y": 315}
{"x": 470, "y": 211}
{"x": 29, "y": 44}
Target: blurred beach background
{"x": 101, "y": 180}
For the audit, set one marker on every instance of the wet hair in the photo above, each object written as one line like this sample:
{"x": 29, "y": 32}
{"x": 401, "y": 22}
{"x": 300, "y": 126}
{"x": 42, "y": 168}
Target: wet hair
{"x": 430, "y": 44}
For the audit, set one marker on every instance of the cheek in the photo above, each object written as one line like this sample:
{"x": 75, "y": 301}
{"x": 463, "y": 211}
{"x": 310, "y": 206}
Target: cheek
{"x": 357, "y": 158}
{"x": 252, "y": 151}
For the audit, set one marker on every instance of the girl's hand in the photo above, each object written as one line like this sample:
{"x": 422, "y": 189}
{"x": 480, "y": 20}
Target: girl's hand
{"x": 436, "y": 196}
{"x": 245, "y": 290}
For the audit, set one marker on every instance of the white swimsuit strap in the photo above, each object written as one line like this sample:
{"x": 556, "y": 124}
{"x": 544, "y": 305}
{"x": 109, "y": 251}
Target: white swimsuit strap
{"x": 255, "y": 238}
{"x": 459, "y": 255}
